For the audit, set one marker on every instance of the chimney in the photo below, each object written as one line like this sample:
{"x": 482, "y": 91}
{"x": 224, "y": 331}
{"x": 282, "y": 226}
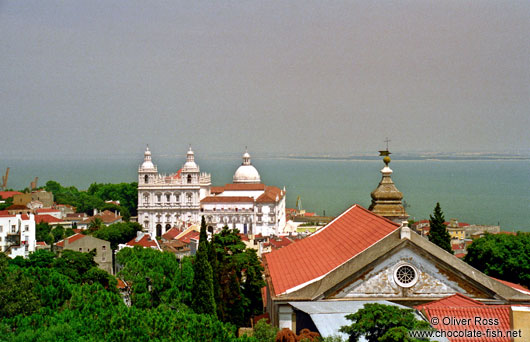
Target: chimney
{"x": 405, "y": 230}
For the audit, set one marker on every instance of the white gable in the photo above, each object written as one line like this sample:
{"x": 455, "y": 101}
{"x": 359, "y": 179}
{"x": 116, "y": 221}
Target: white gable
{"x": 381, "y": 281}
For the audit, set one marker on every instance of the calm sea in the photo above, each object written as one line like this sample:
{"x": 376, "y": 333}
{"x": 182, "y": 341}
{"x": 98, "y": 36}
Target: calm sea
{"x": 480, "y": 192}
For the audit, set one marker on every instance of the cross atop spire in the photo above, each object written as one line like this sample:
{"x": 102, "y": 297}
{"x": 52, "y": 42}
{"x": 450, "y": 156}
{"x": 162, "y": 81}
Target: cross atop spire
{"x": 387, "y": 141}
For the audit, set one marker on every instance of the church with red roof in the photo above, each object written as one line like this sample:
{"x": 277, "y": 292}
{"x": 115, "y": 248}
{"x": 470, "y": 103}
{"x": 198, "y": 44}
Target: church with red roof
{"x": 361, "y": 257}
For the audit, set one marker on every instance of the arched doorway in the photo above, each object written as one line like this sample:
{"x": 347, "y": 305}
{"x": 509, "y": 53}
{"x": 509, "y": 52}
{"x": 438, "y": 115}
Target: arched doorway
{"x": 158, "y": 230}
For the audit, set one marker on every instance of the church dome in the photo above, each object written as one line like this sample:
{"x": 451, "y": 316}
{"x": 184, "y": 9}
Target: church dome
{"x": 190, "y": 165}
{"x": 246, "y": 173}
{"x": 147, "y": 164}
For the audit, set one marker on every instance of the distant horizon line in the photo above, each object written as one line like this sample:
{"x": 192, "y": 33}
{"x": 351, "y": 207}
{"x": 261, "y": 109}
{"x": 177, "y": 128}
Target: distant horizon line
{"x": 398, "y": 155}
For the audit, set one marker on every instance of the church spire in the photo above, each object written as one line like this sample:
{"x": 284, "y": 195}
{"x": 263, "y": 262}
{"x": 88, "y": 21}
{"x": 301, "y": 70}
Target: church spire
{"x": 386, "y": 198}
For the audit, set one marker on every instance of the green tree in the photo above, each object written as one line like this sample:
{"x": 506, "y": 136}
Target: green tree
{"x": 58, "y": 233}
{"x": 264, "y": 332}
{"x": 502, "y": 256}
{"x": 7, "y": 203}
{"x": 438, "y": 232}
{"x": 95, "y": 224}
{"x": 154, "y": 277}
{"x": 203, "y": 301}
{"x": 238, "y": 268}
{"x": 379, "y": 322}
{"x": 118, "y": 233}
{"x": 16, "y": 291}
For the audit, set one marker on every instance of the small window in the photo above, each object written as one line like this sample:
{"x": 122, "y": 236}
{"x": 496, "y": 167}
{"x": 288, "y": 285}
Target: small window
{"x": 13, "y": 228}
{"x": 103, "y": 248}
{"x": 158, "y": 198}
{"x": 168, "y": 198}
{"x": 189, "y": 179}
{"x": 80, "y": 249}
{"x": 177, "y": 197}
{"x": 146, "y": 179}
{"x": 406, "y": 275}
{"x": 26, "y": 228}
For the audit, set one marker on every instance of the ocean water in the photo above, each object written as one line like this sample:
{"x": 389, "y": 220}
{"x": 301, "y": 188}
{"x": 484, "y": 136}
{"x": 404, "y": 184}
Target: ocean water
{"x": 478, "y": 191}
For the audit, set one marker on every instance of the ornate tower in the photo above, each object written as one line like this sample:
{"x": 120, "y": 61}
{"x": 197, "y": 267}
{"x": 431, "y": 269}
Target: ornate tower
{"x": 386, "y": 198}
{"x": 147, "y": 171}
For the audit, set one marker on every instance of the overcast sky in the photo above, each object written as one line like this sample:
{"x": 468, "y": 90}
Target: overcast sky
{"x": 298, "y": 76}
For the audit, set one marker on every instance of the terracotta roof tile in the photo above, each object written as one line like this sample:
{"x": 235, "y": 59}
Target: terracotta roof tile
{"x": 343, "y": 238}
{"x": 8, "y": 194}
{"x": 227, "y": 199}
{"x": 454, "y": 300}
{"x": 191, "y": 235}
{"x": 242, "y": 187}
{"x": 172, "y": 233}
{"x": 70, "y": 239}
{"x": 17, "y": 207}
{"x": 270, "y": 195}
{"x": 143, "y": 241}
{"x": 501, "y": 313}
{"x": 217, "y": 189}
{"x": 47, "y": 219}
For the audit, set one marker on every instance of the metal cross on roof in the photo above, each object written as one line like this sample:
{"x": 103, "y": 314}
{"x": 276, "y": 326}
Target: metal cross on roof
{"x": 387, "y": 141}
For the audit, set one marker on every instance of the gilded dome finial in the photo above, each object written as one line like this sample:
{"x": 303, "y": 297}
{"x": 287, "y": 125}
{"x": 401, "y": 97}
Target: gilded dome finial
{"x": 386, "y": 153}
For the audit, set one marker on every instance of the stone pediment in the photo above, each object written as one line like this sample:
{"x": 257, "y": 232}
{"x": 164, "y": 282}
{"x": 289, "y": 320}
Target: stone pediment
{"x": 404, "y": 274}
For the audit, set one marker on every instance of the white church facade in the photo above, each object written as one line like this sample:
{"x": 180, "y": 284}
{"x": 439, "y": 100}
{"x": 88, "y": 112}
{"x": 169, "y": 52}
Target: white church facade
{"x": 166, "y": 201}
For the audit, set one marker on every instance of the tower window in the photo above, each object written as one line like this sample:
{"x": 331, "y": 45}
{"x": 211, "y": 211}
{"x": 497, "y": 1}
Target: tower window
{"x": 168, "y": 198}
{"x": 146, "y": 179}
{"x": 189, "y": 179}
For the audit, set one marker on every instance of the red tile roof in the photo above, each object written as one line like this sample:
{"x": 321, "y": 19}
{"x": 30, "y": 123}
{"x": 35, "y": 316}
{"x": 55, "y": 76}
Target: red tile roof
{"x": 17, "y": 207}
{"x": 279, "y": 242}
{"x": 270, "y": 195}
{"x": 518, "y": 287}
{"x": 143, "y": 241}
{"x": 4, "y": 212}
{"x": 47, "y": 218}
{"x": 121, "y": 284}
{"x": 450, "y": 320}
{"x": 190, "y": 235}
{"x": 172, "y": 233}
{"x": 242, "y": 187}
{"x": 217, "y": 189}
{"x": 227, "y": 199}
{"x": 42, "y": 243}
{"x": 460, "y": 255}
{"x": 70, "y": 239}
{"x": 461, "y": 307}
{"x": 343, "y": 238}
{"x": 454, "y": 300}
{"x": 8, "y": 194}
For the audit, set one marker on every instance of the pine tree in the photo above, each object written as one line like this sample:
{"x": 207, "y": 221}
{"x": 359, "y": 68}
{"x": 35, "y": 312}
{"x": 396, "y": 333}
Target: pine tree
{"x": 438, "y": 233}
{"x": 203, "y": 301}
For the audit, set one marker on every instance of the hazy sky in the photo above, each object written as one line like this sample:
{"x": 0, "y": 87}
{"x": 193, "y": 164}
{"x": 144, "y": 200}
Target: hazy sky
{"x": 297, "y": 76}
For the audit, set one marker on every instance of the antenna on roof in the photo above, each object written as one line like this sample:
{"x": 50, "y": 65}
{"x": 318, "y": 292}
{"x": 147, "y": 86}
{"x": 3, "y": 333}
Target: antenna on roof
{"x": 387, "y": 141}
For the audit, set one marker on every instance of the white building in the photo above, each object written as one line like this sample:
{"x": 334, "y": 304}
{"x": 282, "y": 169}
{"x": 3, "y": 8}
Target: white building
{"x": 246, "y": 204}
{"x": 17, "y": 235}
{"x": 165, "y": 201}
